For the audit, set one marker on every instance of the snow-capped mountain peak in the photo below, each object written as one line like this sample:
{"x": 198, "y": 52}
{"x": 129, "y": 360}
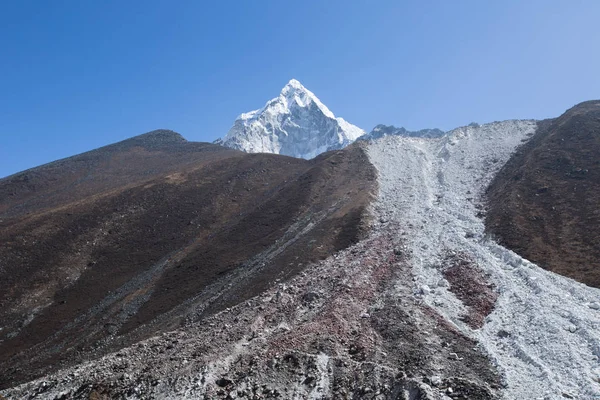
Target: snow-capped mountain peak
{"x": 296, "y": 123}
{"x": 295, "y": 93}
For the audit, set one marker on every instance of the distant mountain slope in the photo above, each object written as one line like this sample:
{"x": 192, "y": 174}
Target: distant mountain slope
{"x": 102, "y": 249}
{"x": 545, "y": 203}
{"x": 389, "y": 130}
{"x": 295, "y": 123}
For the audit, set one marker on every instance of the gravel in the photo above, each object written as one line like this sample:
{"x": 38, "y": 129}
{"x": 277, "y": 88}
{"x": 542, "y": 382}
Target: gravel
{"x": 543, "y": 332}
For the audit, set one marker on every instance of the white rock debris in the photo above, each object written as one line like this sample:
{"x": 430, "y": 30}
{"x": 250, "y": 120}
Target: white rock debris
{"x": 544, "y": 332}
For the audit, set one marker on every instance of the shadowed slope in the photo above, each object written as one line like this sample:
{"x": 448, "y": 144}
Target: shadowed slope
{"x": 111, "y": 246}
{"x": 94, "y": 172}
{"x": 545, "y": 203}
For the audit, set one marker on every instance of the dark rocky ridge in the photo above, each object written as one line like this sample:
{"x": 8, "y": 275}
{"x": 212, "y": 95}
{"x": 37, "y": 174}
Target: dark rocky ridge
{"x": 103, "y": 249}
{"x": 117, "y": 165}
{"x": 387, "y": 130}
{"x": 545, "y": 203}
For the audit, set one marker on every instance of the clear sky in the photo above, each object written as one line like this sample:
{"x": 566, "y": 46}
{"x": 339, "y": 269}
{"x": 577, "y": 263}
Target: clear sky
{"x": 76, "y": 75}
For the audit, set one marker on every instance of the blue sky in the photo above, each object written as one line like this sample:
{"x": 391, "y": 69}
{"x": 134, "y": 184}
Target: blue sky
{"x": 76, "y": 75}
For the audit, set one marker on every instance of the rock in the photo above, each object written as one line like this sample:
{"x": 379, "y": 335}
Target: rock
{"x": 435, "y": 380}
{"x": 594, "y": 306}
{"x": 309, "y": 297}
{"x": 502, "y": 333}
{"x": 442, "y": 283}
{"x": 223, "y": 382}
{"x": 308, "y": 380}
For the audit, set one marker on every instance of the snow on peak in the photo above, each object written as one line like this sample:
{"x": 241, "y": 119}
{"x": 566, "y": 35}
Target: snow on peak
{"x": 296, "y": 123}
{"x": 295, "y": 93}
{"x": 293, "y": 84}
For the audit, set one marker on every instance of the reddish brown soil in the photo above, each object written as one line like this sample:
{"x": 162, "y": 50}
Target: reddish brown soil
{"x": 545, "y": 202}
{"x": 469, "y": 284}
{"x": 106, "y": 248}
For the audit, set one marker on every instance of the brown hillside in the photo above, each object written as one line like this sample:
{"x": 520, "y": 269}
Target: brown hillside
{"x": 102, "y": 249}
{"x": 121, "y": 164}
{"x": 545, "y": 203}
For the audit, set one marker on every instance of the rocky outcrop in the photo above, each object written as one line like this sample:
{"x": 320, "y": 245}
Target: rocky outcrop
{"x": 389, "y": 130}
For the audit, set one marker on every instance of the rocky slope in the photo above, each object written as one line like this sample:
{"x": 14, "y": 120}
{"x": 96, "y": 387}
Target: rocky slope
{"x": 295, "y": 124}
{"x": 541, "y": 330}
{"x": 106, "y": 248}
{"x": 348, "y": 328}
{"x": 389, "y": 130}
{"x": 99, "y": 171}
{"x": 426, "y": 305}
{"x": 545, "y": 203}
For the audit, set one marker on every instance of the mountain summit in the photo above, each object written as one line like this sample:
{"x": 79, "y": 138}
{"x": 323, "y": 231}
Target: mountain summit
{"x": 295, "y": 124}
